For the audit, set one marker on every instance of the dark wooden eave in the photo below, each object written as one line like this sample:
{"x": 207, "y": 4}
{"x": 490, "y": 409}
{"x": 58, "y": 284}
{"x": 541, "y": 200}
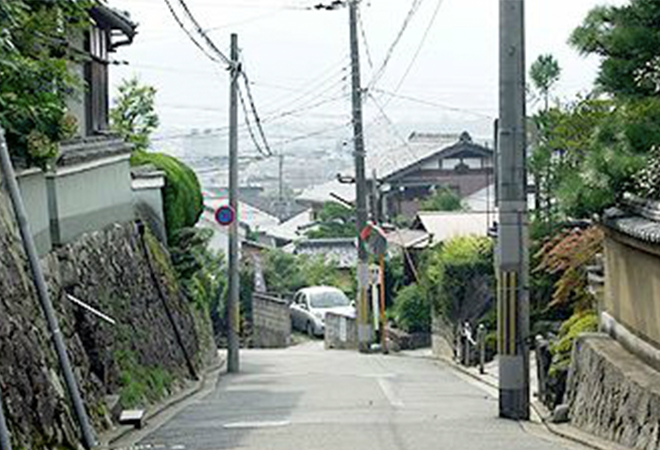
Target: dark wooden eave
{"x": 111, "y": 19}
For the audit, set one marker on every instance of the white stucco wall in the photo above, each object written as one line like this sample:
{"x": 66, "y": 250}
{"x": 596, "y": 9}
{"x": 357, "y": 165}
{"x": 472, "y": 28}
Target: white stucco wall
{"x": 88, "y": 197}
{"x": 32, "y": 184}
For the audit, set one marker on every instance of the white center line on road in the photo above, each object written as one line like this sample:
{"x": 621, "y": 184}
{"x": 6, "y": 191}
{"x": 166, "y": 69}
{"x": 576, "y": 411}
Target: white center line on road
{"x": 388, "y": 390}
{"x": 263, "y": 424}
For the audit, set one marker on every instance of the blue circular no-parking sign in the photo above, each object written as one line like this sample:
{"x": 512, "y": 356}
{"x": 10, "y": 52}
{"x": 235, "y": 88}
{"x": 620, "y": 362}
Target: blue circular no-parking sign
{"x": 225, "y": 215}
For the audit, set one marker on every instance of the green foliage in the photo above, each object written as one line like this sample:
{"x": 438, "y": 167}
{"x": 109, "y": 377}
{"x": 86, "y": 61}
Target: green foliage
{"x": 412, "y": 310}
{"x": 35, "y": 80}
{"x": 182, "y": 195}
{"x": 582, "y": 322}
{"x": 133, "y": 115}
{"x": 545, "y": 73}
{"x": 567, "y": 256}
{"x": 286, "y": 273}
{"x": 334, "y": 221}
{"x": 141, "y": 385}
{"x": 589, "y": 152}
{"x": 201, "y": 271}
{"x": 454, "y": 270}
{"x": 443, "y": 200}
{"x": 627, "y": 38}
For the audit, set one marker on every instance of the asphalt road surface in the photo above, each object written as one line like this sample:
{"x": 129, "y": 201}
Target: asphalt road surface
{"x": 308, "y": 398}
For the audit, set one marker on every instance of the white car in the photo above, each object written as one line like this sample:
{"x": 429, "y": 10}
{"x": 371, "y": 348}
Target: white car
{"x": 311, "y": 304}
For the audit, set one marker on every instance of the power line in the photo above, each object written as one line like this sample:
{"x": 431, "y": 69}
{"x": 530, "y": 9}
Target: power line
{"x": 414, "y": 7}
{"x": 246, "y": 116}
{"x": 393, "y": 127}
{"x": 188, "y": 33}
{"x": 364, "y": 40}
{"x": 433, "y": 104}
{"x": 420, "y": 46}
{"x": 203, "y": 34}
{"x": 255, "y": 113}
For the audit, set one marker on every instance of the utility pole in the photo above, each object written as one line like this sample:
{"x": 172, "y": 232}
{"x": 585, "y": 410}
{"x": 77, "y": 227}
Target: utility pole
{"x": 233, "y": 308}
{"x": 512, "y": 249}
{"x": 364, "y": 324}
{"x": 280, "y": 206}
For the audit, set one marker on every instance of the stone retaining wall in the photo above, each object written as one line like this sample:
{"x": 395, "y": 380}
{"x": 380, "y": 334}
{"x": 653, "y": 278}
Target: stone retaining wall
{"x": 271, "y": 322}
{"x": 109, "y": 270}
{"x": 340, "y": 332}
{"x": 613, "y": 394}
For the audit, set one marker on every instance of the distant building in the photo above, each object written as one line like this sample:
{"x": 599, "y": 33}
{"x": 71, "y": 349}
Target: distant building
{"x": 464, "y": 167}
{"x": 342, "y": 251}
{"x": 444, "y": 226}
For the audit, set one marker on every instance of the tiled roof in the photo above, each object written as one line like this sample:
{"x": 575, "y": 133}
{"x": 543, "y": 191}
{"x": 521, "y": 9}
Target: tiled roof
{"x": 91, "y": 148}
{"x": 633, "y": 225}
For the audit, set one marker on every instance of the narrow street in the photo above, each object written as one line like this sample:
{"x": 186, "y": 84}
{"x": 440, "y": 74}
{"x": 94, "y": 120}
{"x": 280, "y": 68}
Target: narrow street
{"x": 306, "y": 397}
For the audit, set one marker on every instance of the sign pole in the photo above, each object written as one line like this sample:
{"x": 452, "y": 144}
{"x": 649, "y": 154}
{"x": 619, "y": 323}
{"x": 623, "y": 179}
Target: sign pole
{"x": 383, "y": 317}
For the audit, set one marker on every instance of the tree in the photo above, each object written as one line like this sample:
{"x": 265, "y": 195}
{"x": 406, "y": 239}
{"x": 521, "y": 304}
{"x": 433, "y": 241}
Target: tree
{"x": 134, "y": 115}
{"x": 334, "y": 221}
{"x": 35, "y": 80}
{"x": 545, "y": 72}
{"x": 627, "y": 38}
{"x": 444, "y": 199}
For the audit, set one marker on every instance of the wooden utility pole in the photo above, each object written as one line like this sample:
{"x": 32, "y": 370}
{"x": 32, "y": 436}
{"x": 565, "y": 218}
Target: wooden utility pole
{"x": 233, "y": 305}
{"x": 512, "y": 248}
{"x": 364, "y": 324}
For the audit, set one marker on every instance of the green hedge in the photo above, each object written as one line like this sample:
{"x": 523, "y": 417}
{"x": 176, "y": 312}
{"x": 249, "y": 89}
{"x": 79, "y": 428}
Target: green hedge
{"x": 453, "y": 271}
{"x": 182, "y": 196}
{"x": 412, "y": 310}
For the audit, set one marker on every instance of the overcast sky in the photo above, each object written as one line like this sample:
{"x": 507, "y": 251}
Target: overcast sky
{"x": 297, "y": 57}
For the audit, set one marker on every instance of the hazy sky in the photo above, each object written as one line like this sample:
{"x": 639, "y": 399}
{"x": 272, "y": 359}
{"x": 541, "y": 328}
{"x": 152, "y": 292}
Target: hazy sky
{"x": 298, "y": 57}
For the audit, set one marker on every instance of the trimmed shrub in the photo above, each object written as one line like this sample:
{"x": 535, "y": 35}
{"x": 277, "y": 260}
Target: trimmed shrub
{"x": 182, "y": 196}
{"x": 412, "y": 310}
{"x": 461, "y": 268}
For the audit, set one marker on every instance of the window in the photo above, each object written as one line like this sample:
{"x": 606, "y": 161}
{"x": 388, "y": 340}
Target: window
{"x": 96, "y": 81}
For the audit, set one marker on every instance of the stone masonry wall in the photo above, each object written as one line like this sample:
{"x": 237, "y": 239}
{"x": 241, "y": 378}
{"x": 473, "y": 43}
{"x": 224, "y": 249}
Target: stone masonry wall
{"x": 109, "y": 271}
{"x": 613, "y": 394}
{"x": 271, "y": 322}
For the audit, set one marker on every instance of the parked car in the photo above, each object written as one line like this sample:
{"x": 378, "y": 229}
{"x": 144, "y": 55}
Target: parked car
{"x": 311, "y": 304}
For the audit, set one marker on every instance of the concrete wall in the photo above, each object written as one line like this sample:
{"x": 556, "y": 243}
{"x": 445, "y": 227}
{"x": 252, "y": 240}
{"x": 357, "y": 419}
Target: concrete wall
{"x": 148, "y": 203}
{"x": 271, "y": 322}
{"x": 442, "y": 338}
{"x": 632, "y": 286}
{"x": 88, "y": 197}
{"x": 32, "y": 183}
{"x": 340, "y": 332}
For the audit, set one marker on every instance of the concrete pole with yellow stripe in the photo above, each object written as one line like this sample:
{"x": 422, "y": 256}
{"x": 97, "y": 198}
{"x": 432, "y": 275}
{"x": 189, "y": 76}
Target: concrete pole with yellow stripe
{"x": 512, "y": 246}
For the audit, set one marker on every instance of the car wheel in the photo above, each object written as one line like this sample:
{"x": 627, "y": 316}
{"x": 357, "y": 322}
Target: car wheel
{"x": 310, "y": 329}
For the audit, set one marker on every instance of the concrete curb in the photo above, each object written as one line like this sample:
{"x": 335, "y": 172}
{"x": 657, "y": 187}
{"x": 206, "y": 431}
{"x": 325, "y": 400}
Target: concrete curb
{"x": 564, "y": 431}
{"x": 109, "y": 438}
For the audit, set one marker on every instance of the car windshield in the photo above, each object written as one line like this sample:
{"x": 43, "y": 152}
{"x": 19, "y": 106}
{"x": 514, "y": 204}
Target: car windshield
{"x": 328, "y": 299}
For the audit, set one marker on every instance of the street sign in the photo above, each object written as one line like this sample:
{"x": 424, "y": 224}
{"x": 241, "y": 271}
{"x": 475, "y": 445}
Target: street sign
{"x": 375, "y": 239}
{"x": 225, "y": 215}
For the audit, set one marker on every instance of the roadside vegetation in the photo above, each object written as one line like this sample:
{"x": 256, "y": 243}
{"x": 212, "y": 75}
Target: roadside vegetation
{"x": 588, "y": 152}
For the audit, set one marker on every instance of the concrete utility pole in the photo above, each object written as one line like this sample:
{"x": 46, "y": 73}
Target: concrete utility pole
{"x": 364, "y": 324}
{"x": 233, "y": 305}
{"x": 512, "y": 249}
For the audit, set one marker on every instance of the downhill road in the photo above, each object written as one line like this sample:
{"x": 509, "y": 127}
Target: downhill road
{"x": 308, "y": 398}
